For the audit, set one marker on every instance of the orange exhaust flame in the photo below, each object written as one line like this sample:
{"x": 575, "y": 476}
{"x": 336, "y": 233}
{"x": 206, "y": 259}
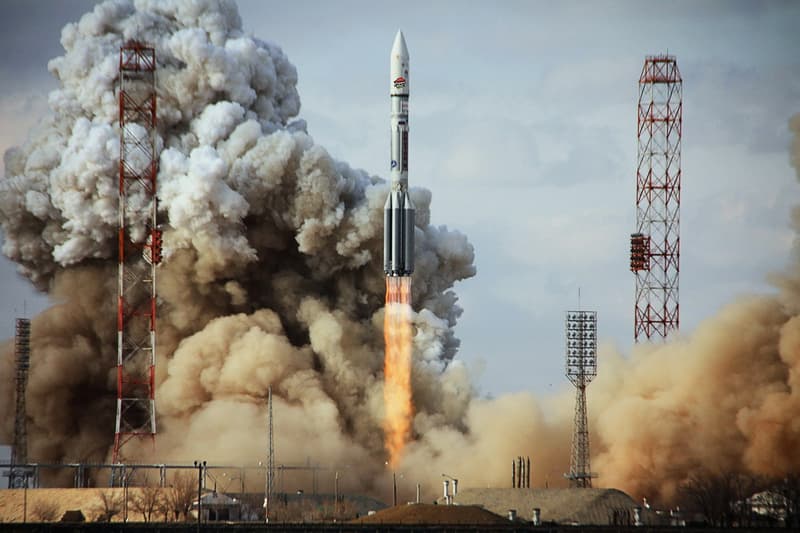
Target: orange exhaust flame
{"x": 397, "y": 367}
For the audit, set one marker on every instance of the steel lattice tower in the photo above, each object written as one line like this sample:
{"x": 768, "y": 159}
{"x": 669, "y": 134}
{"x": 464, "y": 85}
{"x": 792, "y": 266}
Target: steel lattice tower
{"x": 139, "y": 247}
{"x": 18, "y": 476}
{"x": 655, "y": 247}
{"x": 581, "y": 332}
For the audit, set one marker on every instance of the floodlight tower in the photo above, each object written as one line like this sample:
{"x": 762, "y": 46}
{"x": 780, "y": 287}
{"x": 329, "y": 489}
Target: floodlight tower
{"x": 655, "y": 246}
{"x": 581, "y": 332}
{"x": 139, "y": 247}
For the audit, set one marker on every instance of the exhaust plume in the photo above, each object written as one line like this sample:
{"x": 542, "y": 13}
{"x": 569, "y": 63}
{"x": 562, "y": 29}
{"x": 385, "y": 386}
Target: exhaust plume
{"x": 272, "y": 277}
{"x": 397, "y": 367}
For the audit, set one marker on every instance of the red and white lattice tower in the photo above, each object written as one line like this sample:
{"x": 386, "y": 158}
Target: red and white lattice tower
{"x": 655, "y": 247}
{"x": 139, "y": 248}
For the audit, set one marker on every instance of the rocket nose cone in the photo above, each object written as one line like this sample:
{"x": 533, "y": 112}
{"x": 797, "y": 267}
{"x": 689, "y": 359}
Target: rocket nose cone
{"x": 399, "y": 47}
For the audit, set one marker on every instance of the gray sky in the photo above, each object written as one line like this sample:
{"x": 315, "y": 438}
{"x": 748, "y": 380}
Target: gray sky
{"x": 523, "y": 125}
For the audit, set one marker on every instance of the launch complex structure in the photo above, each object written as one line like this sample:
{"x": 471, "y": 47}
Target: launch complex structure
{"x": 654, "y": 260}
{"x": 139, "y": 248}
{"x": 656, "y": 244}
{"x": 581, "y": 369}
{"x": 19, "y": 472}
{"x": 140, "y": 253}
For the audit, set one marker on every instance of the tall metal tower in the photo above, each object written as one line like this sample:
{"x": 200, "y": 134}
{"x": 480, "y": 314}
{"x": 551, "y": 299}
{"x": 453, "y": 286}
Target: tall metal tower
{"x": 270, "y": 462}
{"x": 18, "y": 476}
{"x": 655, "y": 246}
{"x": 581, "y": 332}
{"x": 139, "y": 247}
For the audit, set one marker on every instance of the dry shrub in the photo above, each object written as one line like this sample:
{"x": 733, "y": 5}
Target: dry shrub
{"x": 107, "y": 505}
{"x": 44, "y": 511}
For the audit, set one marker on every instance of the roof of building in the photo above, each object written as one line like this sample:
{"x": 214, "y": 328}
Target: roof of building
{"x": 561, "y": 506}
{"x": 217, "y": 499}
{"x": 422, "y": 513}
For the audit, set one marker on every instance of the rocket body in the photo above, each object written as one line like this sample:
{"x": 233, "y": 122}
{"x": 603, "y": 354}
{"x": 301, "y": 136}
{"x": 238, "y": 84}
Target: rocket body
{"x": 398, "y": 212}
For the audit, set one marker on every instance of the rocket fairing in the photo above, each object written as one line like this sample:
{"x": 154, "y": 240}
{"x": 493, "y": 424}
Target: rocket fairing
{"x": 398, "y": 212}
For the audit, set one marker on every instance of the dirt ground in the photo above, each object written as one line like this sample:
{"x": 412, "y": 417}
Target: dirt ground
{"x": 49, "y": 505}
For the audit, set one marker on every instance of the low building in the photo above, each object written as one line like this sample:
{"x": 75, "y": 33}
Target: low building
{"x": 595, "y": 507}
{"x": 218, "y": 507}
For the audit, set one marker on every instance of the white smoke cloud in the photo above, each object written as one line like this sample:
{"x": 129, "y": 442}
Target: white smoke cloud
{"x": 272, "y": 271}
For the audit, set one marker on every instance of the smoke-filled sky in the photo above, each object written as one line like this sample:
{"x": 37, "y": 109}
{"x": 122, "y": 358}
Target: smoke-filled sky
{"x": 522, "y": 129}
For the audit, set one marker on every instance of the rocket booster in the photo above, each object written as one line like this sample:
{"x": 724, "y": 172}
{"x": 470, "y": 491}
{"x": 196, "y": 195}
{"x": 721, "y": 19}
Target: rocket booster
{"x": 398, "y": 212}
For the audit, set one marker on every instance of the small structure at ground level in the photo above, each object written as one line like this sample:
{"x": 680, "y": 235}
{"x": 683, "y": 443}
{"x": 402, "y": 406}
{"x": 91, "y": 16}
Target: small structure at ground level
{"x": 218, "y": 507}
{"x": 573, "y": 506}
{"x": 422, "y": 513}
{"x": 73, "y": 515}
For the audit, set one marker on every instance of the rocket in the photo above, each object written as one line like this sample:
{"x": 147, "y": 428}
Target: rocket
{"x": 398, "y": 212}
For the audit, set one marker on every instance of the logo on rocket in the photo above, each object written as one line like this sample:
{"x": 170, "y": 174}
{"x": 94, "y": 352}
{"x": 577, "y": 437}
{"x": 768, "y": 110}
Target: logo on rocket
{"x": 399, "y": 82}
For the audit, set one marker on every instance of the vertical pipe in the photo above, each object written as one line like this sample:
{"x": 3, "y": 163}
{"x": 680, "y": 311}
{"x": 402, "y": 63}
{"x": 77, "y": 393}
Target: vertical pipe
{"x": 124, "y": 498}
{"x": 418, "y": 493}
{"x": 528, "y": 470}
{"x": 199, "y": 466}
{"x": 513, "y": 474}
{"x": 336, "y": 495}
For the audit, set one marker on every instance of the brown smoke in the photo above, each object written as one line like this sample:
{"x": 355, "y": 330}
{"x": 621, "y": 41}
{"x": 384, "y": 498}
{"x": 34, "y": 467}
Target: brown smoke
{"x": 725, "y": 398}
{"x": 271, "y": 278}
{"x": 71, "y": 372}
{"x": 694, "y": 403}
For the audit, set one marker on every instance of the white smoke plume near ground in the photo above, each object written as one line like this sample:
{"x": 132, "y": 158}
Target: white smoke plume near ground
{"x": 272, "y": 277}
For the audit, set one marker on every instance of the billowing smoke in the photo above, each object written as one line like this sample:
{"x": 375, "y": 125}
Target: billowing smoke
{"x": 725, "y": 399}
{"x": 272, "y": 277}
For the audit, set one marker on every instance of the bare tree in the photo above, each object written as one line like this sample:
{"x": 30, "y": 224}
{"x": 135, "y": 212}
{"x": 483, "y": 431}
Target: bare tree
{"x": 107, "y": 505}
{"x": 180, "y": 495}
{"x": 789, "y": 489}
{"x": 44, "y": 511}
{"x": 721, "y": 497}
{"x": 146, "y": 500}
{"x": 346, "y": 510}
